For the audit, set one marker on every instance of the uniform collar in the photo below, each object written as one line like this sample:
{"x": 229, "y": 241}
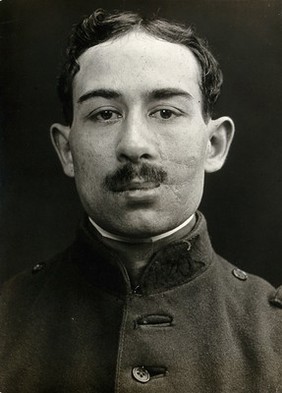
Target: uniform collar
{"x": 175, "y": 264}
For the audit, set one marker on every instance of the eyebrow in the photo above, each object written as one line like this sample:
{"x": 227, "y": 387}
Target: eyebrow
{"x": 104, "y": 93}
{"x": 155, "y": 94}
{"x": 169, "y": 93}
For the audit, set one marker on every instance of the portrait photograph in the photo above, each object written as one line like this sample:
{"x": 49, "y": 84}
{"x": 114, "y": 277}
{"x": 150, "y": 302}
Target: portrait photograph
{"x": 141, "y": 189}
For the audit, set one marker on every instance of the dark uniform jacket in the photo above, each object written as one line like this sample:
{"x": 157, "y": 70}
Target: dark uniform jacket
{"x": 195, "y": 324}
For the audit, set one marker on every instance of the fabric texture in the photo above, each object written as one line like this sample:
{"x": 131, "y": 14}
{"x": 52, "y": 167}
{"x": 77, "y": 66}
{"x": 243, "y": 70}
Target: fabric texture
{"x": 195, "y": 323}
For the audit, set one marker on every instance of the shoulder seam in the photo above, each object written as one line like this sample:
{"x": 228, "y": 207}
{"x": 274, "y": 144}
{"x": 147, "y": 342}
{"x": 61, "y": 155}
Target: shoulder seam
{"x": 276, "y": 299}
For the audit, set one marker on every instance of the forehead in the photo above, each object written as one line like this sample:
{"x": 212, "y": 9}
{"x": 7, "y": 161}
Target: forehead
{"x": 135, "y": 63}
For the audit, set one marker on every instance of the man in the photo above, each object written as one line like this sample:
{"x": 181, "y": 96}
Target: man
{"x": 140, "y": 302}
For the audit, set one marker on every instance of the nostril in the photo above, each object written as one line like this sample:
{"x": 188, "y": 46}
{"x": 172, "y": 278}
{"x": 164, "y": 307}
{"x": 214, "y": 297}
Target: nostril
{"x": 146, "y": 156}
{"x": 123, "y": 157}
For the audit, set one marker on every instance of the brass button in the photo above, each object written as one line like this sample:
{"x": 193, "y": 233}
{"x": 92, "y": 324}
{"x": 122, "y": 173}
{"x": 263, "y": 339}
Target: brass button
{"x": 141, "y": 374}
{"x": 240, "y": 274}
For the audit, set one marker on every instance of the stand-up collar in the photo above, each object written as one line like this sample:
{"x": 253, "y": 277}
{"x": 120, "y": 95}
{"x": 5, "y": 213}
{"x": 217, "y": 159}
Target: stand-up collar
{"x": 175, "y": 264}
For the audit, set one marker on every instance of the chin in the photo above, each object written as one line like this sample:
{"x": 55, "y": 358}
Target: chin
{"x": 144, "y": 226}
{"x": 137, "y": 221}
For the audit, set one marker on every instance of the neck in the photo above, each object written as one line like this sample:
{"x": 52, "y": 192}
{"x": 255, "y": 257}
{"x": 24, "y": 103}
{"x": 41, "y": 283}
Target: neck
{"x": 151, "y": 239}
{"x": 136, "y": 253}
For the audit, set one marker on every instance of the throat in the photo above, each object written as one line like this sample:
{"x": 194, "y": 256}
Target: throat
{"x": 135, "y": 257}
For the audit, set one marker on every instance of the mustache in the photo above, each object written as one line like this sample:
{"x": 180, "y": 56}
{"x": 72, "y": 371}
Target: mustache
{"x": 122, "y": 177}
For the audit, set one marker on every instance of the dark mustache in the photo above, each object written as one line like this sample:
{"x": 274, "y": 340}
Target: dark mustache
{"x": 123, "y": 176}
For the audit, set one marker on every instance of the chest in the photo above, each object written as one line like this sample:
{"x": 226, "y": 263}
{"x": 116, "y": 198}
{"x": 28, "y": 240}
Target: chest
{"x": 187, "y": 339}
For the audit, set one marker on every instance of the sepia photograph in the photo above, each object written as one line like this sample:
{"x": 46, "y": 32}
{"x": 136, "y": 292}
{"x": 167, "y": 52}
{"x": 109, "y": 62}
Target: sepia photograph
{"x": 141, "y": 188}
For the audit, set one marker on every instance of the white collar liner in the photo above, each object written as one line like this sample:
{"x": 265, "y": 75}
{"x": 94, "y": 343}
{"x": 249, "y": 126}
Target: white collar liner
{"x": 152, "y": 239}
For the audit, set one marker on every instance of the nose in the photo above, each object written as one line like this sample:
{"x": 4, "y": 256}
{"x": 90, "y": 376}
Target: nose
{"x": 136, "y": 142}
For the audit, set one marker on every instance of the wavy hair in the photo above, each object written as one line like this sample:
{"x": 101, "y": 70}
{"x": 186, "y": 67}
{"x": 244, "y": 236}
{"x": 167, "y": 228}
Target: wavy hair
{"x": 101, "y": 26}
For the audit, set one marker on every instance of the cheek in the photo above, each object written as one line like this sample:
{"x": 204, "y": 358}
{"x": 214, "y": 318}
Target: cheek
{"x": 90, "y": 154}
{"x": 185, "y": 158}
{"x": 88, "y": 164}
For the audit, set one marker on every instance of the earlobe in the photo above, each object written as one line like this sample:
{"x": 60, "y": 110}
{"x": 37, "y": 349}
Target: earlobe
{"x": 60, "y": 139}
{"x": 220, "y": 138}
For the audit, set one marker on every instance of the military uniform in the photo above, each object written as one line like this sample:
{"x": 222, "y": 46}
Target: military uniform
{"x": 195, "y": 323}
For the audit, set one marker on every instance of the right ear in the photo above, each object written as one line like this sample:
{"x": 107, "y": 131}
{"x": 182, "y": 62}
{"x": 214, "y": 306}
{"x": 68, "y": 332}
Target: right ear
{"x": 60, "y": 139}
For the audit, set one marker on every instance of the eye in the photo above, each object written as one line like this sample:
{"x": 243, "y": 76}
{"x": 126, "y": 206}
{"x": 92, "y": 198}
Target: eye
{"x": 106, "y": 115}
{"x": 165, "y": 114}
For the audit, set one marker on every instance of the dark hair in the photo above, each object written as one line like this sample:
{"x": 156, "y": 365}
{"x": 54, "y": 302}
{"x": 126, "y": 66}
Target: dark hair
{"x": 101, "y": 26}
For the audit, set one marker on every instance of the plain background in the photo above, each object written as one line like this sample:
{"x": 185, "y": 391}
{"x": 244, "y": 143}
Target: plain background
{"x": 39, "y": 205}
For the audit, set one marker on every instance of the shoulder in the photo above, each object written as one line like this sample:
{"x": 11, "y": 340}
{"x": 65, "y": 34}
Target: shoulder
{"x": 252, "y": 296}
{"x": 25, "y": 287}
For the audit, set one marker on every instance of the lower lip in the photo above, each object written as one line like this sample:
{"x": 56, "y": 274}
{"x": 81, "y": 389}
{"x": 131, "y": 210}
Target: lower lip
{"x": 140, "y": 194}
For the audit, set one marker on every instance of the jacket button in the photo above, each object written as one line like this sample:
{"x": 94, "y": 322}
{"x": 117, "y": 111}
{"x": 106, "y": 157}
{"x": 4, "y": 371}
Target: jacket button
{"x": 37, "y": 268}
{"x": 137, "y": 290}
{"x": 240, "y": 274}
{"x": 141, "y": 374}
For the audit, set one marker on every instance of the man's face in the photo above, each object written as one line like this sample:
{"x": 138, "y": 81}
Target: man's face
{"x": 138, "y": 111}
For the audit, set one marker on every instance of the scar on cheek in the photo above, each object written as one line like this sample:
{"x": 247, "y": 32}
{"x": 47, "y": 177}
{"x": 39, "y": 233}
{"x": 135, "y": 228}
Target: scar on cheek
{"x": 176, "y": 190}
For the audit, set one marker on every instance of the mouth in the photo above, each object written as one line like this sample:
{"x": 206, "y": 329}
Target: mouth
{"x": 140, "y": 186}
{"x": 138, "y": 193}
{"x": 137, "y": 185}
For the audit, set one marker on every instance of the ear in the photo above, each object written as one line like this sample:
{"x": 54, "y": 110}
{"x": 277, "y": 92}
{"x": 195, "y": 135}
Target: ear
{"x": 221, "y": 132}
{"x": 60, "y": 139}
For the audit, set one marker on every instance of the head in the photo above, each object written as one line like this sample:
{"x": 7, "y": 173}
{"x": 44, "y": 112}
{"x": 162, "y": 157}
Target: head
{"x": 138, "y": 97}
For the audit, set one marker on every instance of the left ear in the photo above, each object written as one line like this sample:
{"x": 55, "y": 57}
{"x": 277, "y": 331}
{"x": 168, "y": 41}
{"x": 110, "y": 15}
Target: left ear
{"x": 221, "y": 132}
